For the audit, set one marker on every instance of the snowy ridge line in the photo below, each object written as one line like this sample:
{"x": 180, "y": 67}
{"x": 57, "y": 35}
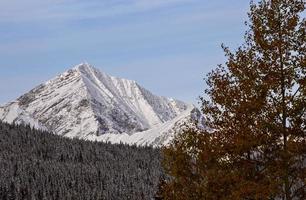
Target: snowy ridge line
{"x": 86, "y": 103}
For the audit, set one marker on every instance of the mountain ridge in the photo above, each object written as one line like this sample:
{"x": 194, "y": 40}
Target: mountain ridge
{"x": 86, "y": 103}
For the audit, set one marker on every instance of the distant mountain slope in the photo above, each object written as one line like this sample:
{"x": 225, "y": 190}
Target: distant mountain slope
{"x": 39, "y": 165}
{"x": 88, "y": 104}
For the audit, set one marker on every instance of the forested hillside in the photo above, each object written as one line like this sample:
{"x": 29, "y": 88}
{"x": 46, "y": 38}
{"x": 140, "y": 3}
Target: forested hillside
{"x": 39, "y": 165}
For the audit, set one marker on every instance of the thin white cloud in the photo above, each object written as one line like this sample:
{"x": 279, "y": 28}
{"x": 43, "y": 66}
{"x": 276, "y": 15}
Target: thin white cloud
{"x": 181, "y": 23}
{"x": 38, "y": 10}
{"x": 149, "y": 4}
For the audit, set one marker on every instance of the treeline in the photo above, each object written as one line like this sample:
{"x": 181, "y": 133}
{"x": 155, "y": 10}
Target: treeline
{"x": 39, "y": 165}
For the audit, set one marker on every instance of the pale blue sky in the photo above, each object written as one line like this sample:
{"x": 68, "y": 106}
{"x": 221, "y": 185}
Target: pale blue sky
{"x": 167, "y": 46}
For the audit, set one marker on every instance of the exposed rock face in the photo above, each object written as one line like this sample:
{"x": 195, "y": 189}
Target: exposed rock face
{"x": 88, "y": 104}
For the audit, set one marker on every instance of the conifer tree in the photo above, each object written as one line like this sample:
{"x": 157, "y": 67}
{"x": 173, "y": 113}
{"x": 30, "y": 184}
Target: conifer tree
{"x": 254, "y": 146}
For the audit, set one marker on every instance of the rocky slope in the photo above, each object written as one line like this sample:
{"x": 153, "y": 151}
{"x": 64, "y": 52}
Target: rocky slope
{"x": 88, "y": 104}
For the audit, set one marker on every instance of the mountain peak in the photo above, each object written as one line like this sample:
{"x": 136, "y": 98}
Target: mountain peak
{"x": 83, "y": 65}
{"x": 84, "y": 68}
{"x": 88, "y": 71}
{"x": 84, "y": 102}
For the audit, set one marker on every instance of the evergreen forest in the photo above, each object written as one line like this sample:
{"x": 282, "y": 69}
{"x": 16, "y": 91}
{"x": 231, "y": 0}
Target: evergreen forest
{"x": 39, "y": 165}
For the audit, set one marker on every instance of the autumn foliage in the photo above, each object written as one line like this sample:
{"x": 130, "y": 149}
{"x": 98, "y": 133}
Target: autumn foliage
{"x": 254, "y": 146}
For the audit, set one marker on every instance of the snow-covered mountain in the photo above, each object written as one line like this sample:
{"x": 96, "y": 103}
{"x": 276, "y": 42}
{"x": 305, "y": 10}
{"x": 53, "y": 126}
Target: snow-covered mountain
{"x": 88, "y": 104}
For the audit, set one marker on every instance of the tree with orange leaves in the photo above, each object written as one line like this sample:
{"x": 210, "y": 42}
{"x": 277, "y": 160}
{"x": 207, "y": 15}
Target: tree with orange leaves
{"x": 254, "y": 146}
